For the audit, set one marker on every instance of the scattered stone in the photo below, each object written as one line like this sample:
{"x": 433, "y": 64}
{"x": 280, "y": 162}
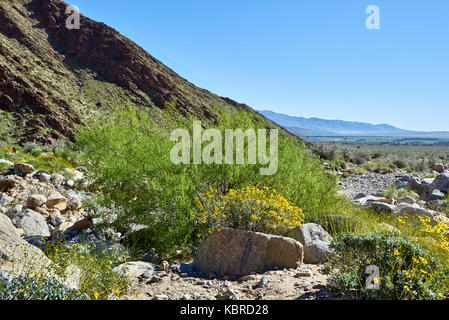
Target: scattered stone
{"x": 381, "y": 207}
{"x": 304, "y": 273}
{"x": 32, "y": 223}
{"x": 237, "y": 253}
{"x": 57, "y": 201}
{"x": 434, "y": 195}
{"x": 43, "y": 177}
{"x": 70, "y": 183}
{"x": 441, "y": 183}
{"x": 134, "y": 269}
{"x": 160, "y": 297}
{"x": 57, "y": 179}
{"x": 5, "y": 200}
{"x": 24, "y": 168}
{"x": 151, "y": 256}
{"x": 247, "y": 278}
{"x": 439, "y": 167}
{"x": 154, "y": 279}
{"x": 316, "y": 242}
{"x": 164, "y": 265}
{"x": 57, "y": 221}
{"x": 7, "y": 182}
{"x": 360, "y": 196}
{"x": 35, "y": 201}
{"x": 73, "y": 204}
{"x": 263, "y": 282}
{"x": 406, "y": 199}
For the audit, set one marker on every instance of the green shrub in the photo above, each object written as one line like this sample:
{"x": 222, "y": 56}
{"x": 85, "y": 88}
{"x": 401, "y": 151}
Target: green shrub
{"x": 98, "y": 279}
{"x": 335, "y": 224}
{"x": 406, "y": 270}
{"x": 36, "y": 288}
{"x": 130, "y": 156}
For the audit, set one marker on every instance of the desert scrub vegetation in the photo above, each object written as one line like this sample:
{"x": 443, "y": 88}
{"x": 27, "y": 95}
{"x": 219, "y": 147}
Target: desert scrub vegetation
{"x": 26, "y": 287}
{"x": 129, "y": 155}
{"x": 41, "y": 157}
{"x": 384, "y": 157}
{"x": 98, "y": 280}
{"x": 405, "y": 269}
{"x": 393, "y": 192}
{"x": 250, "y": 208}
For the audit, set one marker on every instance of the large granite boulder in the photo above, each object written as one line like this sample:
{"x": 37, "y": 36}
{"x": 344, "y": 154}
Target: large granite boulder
{"x": 234, "y": 252}
{"x": 316, "y": 242}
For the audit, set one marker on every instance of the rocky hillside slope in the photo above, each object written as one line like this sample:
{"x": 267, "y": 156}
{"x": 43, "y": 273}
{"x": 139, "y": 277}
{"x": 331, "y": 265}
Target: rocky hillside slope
{"x": 51, "y": 77}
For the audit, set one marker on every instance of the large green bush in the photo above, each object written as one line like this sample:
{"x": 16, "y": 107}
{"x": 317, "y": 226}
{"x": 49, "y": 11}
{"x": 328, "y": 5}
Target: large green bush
{"x": 130, "y": 156}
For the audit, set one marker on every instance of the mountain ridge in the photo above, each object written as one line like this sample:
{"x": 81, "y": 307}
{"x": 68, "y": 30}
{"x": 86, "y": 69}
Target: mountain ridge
{"x": 322, "y": 127}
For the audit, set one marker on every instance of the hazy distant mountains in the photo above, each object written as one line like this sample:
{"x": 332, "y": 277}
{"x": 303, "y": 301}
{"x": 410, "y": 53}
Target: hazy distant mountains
{"x": 315, "y": 127}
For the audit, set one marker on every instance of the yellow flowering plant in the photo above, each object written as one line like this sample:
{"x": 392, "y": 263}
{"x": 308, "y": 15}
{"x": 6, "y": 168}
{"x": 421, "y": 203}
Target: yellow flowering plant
{"x": 250, "y": 208}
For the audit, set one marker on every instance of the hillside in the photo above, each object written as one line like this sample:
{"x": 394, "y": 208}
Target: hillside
{"x": 53, "y": 78}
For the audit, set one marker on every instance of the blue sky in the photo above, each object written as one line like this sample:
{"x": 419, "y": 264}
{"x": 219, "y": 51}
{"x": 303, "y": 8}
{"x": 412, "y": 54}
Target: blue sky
{"x": 310, "y": 58}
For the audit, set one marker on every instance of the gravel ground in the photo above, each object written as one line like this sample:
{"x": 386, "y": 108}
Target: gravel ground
{"x": 287, "y": 284}
{"x": 368, "y": 183}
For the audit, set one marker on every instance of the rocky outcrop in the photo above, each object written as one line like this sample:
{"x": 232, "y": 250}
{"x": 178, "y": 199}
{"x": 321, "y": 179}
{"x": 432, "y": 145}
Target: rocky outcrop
{"x": 237, "y": 253}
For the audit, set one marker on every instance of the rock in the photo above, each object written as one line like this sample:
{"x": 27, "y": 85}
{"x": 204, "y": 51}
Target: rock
{"x": 434, "y": 195}
{"x": 237, "y": 253}
{"x": 7, "y": 182}
{"x": 164, "y": 266}
{"x": 316, "y": 242}
{"x": 134, "y": 269}
{"x": 186, "y": 297}
{"x": 415, "y": 210}
{"x": 5, "y": 200}
{"x": 57, "y": 221}
{"x": 24, "y": 168}
{"x": 14, "y": 210}
{"x": 439, "y": 167}
{"x": 304, "y": 273}
{"x": 154, "y": 279}
{"x": 57, "y": 201}
{"x": 73, "y": 204}
{"x": 70, "y": 183}
{"x": 369, "y": 198}
{"x": 160, "y": 297}
{"x": 426, "y": 185}
{"x": 35, "y": 201}
{"x": 7, "y": 227}
{"x": 441, "y": 183}
{"x": 360, "y": 196}
{"x": 151, "y": 256}
{"x": 57, "y": 179}
{"x": 32, "y": 223}
{"x": 247, "y": 278}
{"x": 406, "y": 199}
{"x": 263, "y": 282}
{"x": 43, "y": 177}
{"x": 17, "y": 257}
{"x": 415, "y": 185}
{"x": 381, "y": 207}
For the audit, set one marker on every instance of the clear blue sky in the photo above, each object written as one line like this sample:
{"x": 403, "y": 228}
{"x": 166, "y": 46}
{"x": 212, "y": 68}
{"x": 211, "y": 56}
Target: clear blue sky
{"x": 311, "y": 58}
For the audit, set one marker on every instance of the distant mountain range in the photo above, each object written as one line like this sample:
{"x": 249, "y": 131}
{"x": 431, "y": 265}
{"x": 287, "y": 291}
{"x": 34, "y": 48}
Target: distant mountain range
{"x": 315, "y": 127}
